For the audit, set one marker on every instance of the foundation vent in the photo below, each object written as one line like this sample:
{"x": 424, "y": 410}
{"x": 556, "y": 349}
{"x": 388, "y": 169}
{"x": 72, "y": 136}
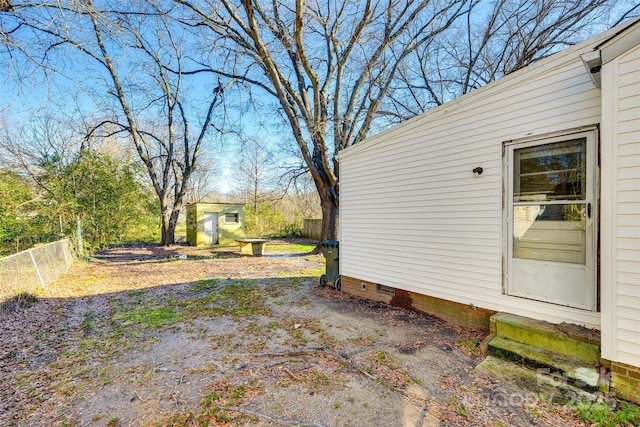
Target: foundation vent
{"x": 387, "y": 290}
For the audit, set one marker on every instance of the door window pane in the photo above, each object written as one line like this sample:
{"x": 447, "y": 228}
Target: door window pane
{"x": 550, "y": 172}
{"x": 550, "y": 233}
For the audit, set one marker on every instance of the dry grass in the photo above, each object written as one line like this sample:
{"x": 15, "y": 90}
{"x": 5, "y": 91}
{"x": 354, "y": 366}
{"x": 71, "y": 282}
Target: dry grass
{"x": 141, "y": 336}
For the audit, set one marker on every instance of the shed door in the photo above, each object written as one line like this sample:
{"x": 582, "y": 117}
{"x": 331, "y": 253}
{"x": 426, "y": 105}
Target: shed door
{"x": 210, "y": 228}
{"x": 551, "y": 208}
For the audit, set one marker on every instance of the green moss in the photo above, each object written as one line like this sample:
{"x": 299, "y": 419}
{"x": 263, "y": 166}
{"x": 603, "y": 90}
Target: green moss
{"x": 148, "y": 317}
{"x": 547, "y": 336}
{"x": 238, "y": 298}
{"x": 573, "y": 371}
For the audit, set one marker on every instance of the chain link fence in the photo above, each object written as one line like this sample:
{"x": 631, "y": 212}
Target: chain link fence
{"x": 22, "y": 243}
{"x": 22, "y": 274}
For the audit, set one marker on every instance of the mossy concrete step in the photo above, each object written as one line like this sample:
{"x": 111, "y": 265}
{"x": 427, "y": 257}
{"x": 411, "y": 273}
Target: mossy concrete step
{"x": 564, "y": 339}
{"x": 562, "y": 368}
{"x": 539, "y": 384}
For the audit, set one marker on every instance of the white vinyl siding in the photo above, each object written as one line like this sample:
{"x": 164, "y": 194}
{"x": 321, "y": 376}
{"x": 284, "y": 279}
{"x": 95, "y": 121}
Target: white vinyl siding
{"x": 414, "y": 216}
{"x": 621, "y": 173}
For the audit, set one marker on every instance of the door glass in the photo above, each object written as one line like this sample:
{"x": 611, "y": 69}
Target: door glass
{"x": 550, "y": 232}
{"x": 550, "y": 172}
{"x": 549, "y": 183}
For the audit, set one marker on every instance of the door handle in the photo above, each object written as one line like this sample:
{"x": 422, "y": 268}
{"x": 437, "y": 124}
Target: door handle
{"x": 588, "y": 210}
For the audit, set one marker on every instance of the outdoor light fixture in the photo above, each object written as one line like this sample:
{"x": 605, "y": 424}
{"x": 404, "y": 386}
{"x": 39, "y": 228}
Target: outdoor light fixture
{"x": 593, "y": 63}
{"x": 477, "y": 171}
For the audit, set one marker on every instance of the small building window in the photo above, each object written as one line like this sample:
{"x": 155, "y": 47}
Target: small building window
{"x": 231, "y": 218}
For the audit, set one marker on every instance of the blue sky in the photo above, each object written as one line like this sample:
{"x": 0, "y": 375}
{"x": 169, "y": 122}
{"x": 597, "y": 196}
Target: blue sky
{"x": 61, "y": 93}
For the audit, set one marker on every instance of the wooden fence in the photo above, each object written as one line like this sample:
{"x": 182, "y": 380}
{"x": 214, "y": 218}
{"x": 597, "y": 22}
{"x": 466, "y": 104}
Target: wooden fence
{"x": 312, "y": 228}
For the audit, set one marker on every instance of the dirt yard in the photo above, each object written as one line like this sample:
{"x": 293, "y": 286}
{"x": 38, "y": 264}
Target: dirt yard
{"x": 146, "y": 336}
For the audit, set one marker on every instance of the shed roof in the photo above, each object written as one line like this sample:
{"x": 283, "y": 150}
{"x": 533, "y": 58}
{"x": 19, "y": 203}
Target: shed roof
{"x": 216, "y": 203}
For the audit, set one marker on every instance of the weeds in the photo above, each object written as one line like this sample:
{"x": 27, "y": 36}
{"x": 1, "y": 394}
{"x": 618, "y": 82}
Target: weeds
{"x": 457, "y": 407}
{"x": 600, "y": 415}
{"x": 21, "y": 301}
{"x": 380, "y": 356}
{"x": 88, "y": 323}
{"x": 226, "y": 342}
{"x": 469, "y": 345}
{"x": 296, "y": 338}
{"x": 257, "y": 335}
{"x": 316, "y": 380}
{"x": 388, "y": 371}
{"x": 214, "y": 406}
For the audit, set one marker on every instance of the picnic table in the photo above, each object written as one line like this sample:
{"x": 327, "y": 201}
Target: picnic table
{"x": 252, "y": 246}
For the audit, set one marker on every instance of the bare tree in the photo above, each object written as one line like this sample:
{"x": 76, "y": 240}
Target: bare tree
{"x": 303, "y": 198}
{"x": 630, "y": 13}
{"x": 328, "y": 65}
{"x": 132, "y": 65}
{"x": 335, "y": 71}
{"x": 201, "y": 184}
{"x": 37, "y": 139}
{"x": 257, "y": 173}
{"x": 494, "y": 38}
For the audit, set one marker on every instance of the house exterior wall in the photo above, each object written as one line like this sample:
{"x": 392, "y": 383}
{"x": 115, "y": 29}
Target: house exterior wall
{"x": 228, "y": 232}
{"x": 620, "y": 201}
{"x": 414, "y": 217}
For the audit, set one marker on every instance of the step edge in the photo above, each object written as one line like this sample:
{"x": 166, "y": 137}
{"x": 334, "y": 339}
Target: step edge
{"x": 579, "y": 375}
{"x": 569, "y": 392}
{"x": 531, "y": 336}
{"x": 562, "y": 330}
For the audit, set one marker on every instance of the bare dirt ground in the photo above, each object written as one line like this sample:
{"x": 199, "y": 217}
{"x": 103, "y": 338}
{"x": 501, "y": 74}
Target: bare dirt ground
{"x": 140, "y": 336}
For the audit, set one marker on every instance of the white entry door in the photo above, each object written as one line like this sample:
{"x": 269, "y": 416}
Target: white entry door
{"x": 550, "y": 219}
{"x": 210, "y": 228}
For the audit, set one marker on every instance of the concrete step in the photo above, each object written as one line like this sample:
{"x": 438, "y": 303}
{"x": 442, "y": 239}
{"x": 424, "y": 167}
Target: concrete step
{"x": 567, "y": 340}
{"x": 541, "y": 385}
{"x": 562, "y": 368}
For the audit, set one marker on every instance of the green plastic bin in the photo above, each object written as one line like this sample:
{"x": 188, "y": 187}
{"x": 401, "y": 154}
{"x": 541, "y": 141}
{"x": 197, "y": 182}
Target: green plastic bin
{"x": 331, "y": 252}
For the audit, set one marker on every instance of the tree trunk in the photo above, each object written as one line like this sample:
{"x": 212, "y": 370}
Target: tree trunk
{"x": 330, "y": 214}
{"x": 168, "y": 226}
{"x": 167, "y": 232}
